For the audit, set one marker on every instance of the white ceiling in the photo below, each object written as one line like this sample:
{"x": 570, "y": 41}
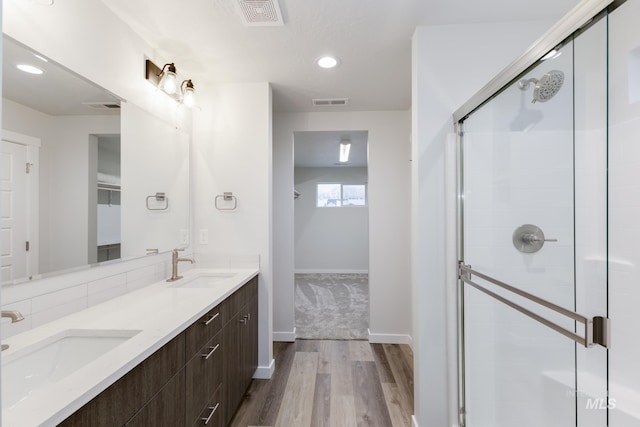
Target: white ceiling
{"x": 372, "y": 38}
{"x": 322, "y": 149}
{"x": 56, "y": 92}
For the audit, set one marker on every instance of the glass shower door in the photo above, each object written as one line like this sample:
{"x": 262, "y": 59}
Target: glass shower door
{"x": 534, "y": 244}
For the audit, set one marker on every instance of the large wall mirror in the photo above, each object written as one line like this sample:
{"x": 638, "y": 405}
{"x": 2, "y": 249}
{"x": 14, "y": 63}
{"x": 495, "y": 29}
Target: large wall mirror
{"x": 86, "y": 177}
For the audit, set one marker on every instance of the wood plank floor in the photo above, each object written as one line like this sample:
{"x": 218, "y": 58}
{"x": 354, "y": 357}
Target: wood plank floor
{"x": 320, "y": 383}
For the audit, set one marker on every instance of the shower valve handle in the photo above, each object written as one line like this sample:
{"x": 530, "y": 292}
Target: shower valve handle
{"x": 529, "y": 238}
{"x": 533, "y": 238}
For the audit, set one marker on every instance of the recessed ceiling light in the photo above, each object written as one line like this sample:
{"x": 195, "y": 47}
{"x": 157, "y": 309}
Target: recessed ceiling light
{"x": 327, "y": 62}
{"x": 29, "y": 69}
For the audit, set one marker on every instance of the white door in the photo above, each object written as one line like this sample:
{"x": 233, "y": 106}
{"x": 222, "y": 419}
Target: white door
{"x": 13, "y": 210}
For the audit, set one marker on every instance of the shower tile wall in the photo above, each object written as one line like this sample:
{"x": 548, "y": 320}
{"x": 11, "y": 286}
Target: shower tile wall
{"x": 518, "y": 178}
{"x": 624, "y": 214}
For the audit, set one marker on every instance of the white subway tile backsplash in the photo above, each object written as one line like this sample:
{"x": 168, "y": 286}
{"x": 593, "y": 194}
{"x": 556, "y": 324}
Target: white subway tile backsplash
{"x": 55, "y": 312}
{"x": 102, "y": 285}
{"x": 58, "y": 298}
{"x": 107, "y": 294}
{"x": 141, "y": 273}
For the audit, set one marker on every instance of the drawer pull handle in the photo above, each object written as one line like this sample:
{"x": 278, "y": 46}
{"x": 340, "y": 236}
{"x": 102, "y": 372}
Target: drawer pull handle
{"x": 213, "y": 349}
{"x": 211, "y": 319}
{"x": 243, "y": 320}
{"x": 213, "y": 411}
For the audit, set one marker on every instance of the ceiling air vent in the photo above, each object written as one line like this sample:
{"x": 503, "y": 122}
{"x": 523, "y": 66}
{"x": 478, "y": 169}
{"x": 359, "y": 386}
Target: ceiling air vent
{"x": 259, "y": 13}
{"x": 102, "y": 104}
{"x": 333, "y": 102}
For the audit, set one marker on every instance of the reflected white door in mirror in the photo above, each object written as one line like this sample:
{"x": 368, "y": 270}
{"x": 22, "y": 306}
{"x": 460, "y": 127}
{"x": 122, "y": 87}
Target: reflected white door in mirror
{"x": 19, "y": 204}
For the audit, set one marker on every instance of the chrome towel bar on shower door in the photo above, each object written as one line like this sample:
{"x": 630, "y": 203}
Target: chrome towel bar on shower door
{"x": 596, "y": 329}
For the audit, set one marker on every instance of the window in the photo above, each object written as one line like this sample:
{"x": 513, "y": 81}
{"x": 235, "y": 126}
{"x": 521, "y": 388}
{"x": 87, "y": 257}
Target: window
{"x": 338, "y": 195}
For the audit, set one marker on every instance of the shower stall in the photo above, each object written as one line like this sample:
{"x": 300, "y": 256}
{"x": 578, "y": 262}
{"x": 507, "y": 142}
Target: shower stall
{"x": 548, "y": 225}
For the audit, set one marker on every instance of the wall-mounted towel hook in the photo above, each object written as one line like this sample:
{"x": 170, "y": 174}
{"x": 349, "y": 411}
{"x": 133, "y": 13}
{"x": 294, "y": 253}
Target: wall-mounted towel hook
{"x": 227, "y": 196}
{"x": 160, "y": 197}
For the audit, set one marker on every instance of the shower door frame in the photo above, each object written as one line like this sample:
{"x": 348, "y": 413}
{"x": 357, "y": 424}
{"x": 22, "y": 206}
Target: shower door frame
{"x": 580, "y": 16}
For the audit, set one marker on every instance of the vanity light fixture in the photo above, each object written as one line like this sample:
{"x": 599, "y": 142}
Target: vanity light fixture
{"x": 164, "y": 78}
{"x": 168, "y": 79}
{"x": 188, "y": 93}
{"x": 345, "y": 147}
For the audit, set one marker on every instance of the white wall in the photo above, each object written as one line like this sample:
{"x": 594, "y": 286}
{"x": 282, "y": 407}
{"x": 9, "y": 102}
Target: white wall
{"x": 330, "y": 239}
{"x": 232, "y": 153}
{"x": 389, "y": 233}
{"x": 155, "y": 159}
{"x": 64, "y": 185}
{"x": 450, "y": 63}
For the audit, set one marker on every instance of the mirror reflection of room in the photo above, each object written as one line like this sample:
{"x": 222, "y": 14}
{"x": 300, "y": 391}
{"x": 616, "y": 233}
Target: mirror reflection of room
{"x": 59, "y": 125}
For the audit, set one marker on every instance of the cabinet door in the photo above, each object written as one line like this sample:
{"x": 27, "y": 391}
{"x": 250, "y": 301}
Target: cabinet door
{"x": 122, "y": 400}
{"x": 232, "y": 365}
{"x": 251, "y": 341}
{"x": 203, "y": 377}
{"x": 166, "y": 409}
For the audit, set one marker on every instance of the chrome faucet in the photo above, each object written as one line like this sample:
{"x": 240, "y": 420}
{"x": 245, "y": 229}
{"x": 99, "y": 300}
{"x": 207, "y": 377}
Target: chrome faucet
{"x": 15, "y": 316}
{"x": 174, "y": 265}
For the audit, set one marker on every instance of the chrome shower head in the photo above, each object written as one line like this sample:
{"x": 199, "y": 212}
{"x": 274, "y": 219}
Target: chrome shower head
{"x": 546, "y": 88}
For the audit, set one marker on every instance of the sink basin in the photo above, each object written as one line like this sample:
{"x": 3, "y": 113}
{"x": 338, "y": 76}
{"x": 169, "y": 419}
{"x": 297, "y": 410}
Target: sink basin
{"x": 54, "y": 358}
{"x": 205, "y": 281}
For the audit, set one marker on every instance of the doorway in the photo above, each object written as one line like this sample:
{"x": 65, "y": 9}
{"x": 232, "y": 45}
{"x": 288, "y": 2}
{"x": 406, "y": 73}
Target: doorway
{"x": 19, "y": 190}
{"x": 331, "y": 234}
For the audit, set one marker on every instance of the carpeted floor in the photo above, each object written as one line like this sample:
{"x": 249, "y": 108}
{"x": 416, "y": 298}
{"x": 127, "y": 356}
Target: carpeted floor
{"x": 332, "y": 306}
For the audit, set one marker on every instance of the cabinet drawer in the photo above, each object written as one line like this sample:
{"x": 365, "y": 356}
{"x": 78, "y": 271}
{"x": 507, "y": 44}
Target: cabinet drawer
{"x": 211, "y": 416}
{"x": 206, "y": 328}
{"x": 203, "y": 377}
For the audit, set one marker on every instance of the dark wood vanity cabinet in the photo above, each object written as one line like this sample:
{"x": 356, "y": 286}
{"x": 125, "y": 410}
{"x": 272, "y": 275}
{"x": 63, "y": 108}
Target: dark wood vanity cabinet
{"x": 143, "y": 388}
{"x": 241, "y": 348}
{"x": 201, "y": 375}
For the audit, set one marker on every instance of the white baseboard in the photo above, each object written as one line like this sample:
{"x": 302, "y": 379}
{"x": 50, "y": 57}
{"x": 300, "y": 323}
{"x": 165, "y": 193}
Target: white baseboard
{"x": 265, "y": 372}
{"x": 414, "y": 422}
{"x": 390, "y": 339}
{"x": 331, "y": 271}
{"x": 285, "y": 336}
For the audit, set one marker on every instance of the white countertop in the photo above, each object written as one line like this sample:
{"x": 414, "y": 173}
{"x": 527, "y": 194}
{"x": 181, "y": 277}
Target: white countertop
{"x": 159, "y": 311}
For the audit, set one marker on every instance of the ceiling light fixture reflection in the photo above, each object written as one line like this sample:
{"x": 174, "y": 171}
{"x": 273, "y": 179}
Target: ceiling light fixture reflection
{"x": 327, "y": 62}
{"x": 41, "y": 58}
{"x": 345, "y": 148}
{"x": 29, "y": 69}
{"x": 553, "y": 53}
